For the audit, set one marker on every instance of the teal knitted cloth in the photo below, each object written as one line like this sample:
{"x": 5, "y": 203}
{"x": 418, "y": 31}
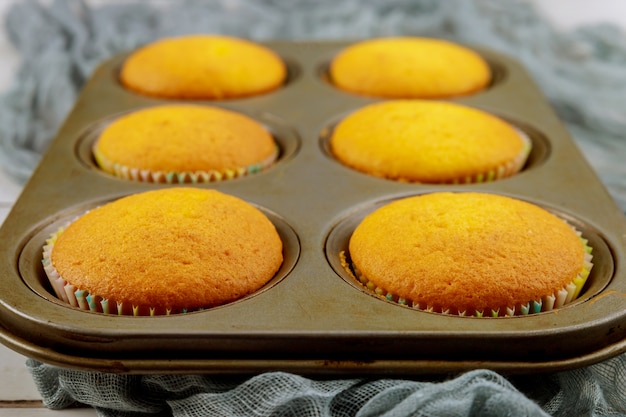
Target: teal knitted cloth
{"x": 581, "y": 73}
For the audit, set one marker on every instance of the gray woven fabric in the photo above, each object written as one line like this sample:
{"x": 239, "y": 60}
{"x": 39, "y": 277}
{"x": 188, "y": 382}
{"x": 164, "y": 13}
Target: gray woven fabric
{"x": 595, "y": 391}
{"x": 581, "y": 72}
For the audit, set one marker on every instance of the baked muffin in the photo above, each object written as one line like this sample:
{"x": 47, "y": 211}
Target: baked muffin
{"x": 182, "y": 143}
{"x": 163, "y": 252}
{"x": 409, "y": 67}
{"x": 429, "y": 142}
{"x": 469, "y": 254}
{"x": 203, "y": 67}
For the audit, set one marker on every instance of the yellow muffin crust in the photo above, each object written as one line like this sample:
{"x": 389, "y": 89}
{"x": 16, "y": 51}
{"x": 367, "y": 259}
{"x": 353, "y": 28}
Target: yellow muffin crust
{"x": 203, "y": 67}
{"x": 409, "y": 67}
{"x": 428, "y": 142}
{"x": 170, "y": 249}
{"x": 466, "y": 252}
{"x": 181, "y": 137}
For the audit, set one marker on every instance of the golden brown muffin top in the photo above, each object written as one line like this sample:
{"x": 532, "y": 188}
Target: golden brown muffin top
{"x": 203, "y": 67}
{"x": 409, "y": 67}
{"x": 180, "y": 137}
{"x": 426, "y": 141}
{"x": 176, "y": 248}
{"x": 466, "y": 251}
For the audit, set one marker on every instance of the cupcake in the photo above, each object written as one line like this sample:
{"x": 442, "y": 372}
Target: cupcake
{"x": 429, "y": 142}
{"x": 469, "y": 254}
{"x": 409, "y": 67}
{"x": 182, "y": 143}
{"x": 163, "y": 252}
{"x": 203, "y": 67}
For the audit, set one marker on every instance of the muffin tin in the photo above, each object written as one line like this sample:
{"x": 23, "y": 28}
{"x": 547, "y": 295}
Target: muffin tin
{"x": 312, "y": 318}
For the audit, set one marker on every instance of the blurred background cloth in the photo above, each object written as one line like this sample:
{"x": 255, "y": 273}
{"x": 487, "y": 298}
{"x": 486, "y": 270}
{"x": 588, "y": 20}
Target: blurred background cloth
{"x": 582, "y": 73}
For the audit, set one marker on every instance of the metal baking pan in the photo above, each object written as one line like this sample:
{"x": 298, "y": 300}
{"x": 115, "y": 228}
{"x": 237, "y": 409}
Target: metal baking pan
{"x": 312, "y": 318}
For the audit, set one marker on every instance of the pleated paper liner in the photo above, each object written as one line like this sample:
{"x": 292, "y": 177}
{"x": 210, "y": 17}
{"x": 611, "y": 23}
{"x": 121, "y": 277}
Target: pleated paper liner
{"x": 564, "y": 296}
{"x": 174, "y": 177}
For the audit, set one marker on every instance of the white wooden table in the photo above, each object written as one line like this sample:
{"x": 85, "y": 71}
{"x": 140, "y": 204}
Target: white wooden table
{"x": 18, "y": 394}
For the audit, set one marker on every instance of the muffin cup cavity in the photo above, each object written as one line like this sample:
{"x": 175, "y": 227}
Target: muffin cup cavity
{"x": 595, "y": 275}
{"x": 535, "y": 152}
{"x": 286, "y": 139}
{"x": 41, "y": 277}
